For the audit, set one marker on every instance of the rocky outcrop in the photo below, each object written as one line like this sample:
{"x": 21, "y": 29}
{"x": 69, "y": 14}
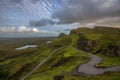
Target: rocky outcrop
{"x": 85, "y": 44}
{"x": 88, "y": 45}
{"x": 62, "y": 35}
{"x": 113, "y": 50}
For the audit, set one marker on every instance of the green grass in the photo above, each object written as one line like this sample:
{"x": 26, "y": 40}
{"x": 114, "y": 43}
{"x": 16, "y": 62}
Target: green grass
{"x": 73, "y": 37}
{"x": 93, "y": 36}
{"x": 106, "y": 76}
{"x": 63, "y": 60}
{"x": 109, "y": 60}
{"x": 13, "y": 63}
{"x": 12, "y": 43}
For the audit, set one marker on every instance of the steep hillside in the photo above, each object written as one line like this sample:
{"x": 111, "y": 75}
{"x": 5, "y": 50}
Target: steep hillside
{"x": 99, "y": 40}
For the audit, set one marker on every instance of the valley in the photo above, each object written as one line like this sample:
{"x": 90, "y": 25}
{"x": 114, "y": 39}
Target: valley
{"x": 86, "y": 53}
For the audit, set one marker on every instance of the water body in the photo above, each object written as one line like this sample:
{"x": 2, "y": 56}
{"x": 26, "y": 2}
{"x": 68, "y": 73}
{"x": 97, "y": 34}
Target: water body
{"x": 48, "y": 42}
{"x": 26, "y": 46}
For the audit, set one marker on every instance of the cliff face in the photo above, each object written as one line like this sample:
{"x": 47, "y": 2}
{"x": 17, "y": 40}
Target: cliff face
{"x": 113, "y": 50}
{"x": 98, "y": 41}
{"x": 85, "y": 44}
{"x": 88, "y": 45}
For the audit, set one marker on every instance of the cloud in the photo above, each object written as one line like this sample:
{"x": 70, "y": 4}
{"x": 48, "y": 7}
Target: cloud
{"x": 110, "y": 22}
{"x": 16, "y": 29}
{"x": 87, "y": 11}
{"x": 41, "y": 12}
{"x": 41, "y": 22}
{"x": 16, "y": 1}
{"x": 27, "y": 10}
{"x": 64, "y": 28}
{"x": 22, "y": 29}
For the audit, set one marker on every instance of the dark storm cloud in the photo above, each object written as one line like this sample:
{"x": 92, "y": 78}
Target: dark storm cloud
{"x": 41, "y": 22}
{"x": 87, "y": 10}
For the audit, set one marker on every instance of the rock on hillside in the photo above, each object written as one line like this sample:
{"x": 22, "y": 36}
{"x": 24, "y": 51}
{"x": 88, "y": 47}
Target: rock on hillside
{"x": 62, "y": 35}
{"x": 99, "y": 40}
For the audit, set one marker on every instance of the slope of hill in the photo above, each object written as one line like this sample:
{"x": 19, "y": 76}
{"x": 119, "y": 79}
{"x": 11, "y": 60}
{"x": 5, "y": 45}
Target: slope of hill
{"x": 102, "y": 41}
{"x": 90, "y": 40}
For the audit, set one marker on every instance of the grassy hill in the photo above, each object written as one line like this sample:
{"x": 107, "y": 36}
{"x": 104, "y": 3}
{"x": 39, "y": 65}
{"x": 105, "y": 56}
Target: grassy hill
{"x": 99, "y": 40}
{"x": 63, "y": 61}
{"x": 102, "y": 41}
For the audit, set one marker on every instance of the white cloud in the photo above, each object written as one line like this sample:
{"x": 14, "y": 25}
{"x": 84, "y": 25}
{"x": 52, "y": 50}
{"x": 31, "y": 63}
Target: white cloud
{"x": 22, "y": 29}
{"x": 108, "y": 4}
{"x": 35, "y": 30}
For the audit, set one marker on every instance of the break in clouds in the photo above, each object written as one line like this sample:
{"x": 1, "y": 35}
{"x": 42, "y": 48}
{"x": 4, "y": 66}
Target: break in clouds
{"x": 39, "y": 13}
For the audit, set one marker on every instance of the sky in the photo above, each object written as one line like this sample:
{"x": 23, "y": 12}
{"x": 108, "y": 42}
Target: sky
{"x": 41, "y": 18}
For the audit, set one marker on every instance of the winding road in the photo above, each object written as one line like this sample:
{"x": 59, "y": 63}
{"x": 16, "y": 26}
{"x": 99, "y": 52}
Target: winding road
{"x": 90, "y": 69}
